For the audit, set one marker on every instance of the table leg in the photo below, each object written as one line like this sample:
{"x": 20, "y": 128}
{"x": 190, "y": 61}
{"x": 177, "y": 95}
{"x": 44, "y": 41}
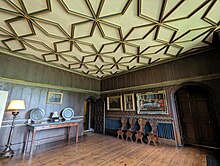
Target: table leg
{"x": 32, "y": 142}
{"x": 26, "y": 141}
{"x": 68, "y": 133}
{"x": 77, "y": 133}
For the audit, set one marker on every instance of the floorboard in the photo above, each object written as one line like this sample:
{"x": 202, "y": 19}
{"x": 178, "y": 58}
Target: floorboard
{"x": 95, "y": 149}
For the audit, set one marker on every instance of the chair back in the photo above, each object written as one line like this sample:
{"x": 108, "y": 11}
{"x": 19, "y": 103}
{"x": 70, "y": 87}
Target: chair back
{"x": 142, "y": 123}
{"x": 124, "y": 122}
{"x": 132, "y": 122}
{"x": 153, "y": 123}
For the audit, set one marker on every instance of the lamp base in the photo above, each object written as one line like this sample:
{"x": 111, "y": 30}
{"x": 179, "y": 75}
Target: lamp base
{"x": 8, "y": 152}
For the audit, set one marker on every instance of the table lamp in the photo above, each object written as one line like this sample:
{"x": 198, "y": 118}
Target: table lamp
{"x": 14, "y": 106}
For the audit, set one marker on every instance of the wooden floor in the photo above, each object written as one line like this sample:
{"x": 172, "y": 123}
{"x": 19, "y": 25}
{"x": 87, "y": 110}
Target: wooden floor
{"x": 96, "y": 149}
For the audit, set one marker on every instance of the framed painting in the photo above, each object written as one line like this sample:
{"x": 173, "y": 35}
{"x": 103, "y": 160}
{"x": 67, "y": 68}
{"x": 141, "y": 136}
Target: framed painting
{"x": 114, "y": 103}
{"x": 54, "y": 98}
{"x": 152, "y": 103}
{"x": 129, "y": 102}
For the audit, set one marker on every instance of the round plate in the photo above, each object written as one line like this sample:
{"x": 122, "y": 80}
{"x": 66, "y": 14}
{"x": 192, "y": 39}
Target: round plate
{"x": 37, "y": 114}
{"x": 67, "y": 113}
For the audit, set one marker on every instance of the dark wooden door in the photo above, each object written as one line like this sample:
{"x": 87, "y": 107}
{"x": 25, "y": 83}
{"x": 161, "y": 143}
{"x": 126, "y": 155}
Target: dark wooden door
{"x": 195, "y": 115}
{"x": 99, "y": 116}
{"x": 89, "y": 115}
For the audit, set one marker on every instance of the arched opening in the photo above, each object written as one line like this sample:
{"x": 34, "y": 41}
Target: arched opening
{"x": 196, "y": 116}
{"x": 94, "y": 115}
{"x": 89, "y": 107}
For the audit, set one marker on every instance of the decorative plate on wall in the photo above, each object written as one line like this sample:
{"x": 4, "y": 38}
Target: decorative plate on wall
{"x": 67, "y": 113}
{"x": 37, "y": 114}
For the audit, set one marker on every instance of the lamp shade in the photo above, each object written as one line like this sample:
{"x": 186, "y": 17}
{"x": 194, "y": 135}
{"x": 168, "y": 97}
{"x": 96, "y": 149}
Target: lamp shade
{"x": 16, "y": 105}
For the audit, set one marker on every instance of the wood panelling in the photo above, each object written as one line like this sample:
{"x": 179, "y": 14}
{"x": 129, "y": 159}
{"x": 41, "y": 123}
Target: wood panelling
{"x": 36, "y": 97}
{"x": 202, "y": 64}
{"x": 168, "y": 72}
{"x": 215, "y": 96}
{"x": 20, "y": 69}
{"x": 31, "y": 82}
{"x": 203, "y": 67}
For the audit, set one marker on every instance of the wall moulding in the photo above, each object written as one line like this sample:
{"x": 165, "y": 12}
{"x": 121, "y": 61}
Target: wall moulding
{"x": 164, "y": 119}
{"x": 35, "y": 84}
{"x": 165, "y": 83}
{"x": 22, "y": 122}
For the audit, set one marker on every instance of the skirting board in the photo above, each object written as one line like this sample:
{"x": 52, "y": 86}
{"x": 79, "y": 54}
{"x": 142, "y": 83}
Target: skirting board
{"x": 19, "y": 146}
{"x": 167, "y": 141}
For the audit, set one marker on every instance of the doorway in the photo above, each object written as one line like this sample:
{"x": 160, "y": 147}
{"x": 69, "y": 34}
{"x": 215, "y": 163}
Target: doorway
{"x": 89, "y": 107}
{"x": 196, "y": 116}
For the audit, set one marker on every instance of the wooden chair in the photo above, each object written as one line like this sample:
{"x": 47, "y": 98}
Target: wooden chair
{"x": 153, "y": 135}
{"x": 129, "y": 133}
{"x": 121, "y": 131}
{"x": 140, "y": 134}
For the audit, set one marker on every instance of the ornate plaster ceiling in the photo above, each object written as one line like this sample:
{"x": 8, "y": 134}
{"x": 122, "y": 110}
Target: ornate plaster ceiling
{"x": 104, "y": 37}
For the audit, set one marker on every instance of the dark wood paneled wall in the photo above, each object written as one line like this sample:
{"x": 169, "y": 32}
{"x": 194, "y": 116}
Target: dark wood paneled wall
{"x": 214, "y": 87}
{"x": 202, "y": 64}
{"x": 21, "y": 69}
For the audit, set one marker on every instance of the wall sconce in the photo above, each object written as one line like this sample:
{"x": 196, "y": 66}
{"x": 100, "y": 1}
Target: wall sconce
{"x": 14, "y": 107}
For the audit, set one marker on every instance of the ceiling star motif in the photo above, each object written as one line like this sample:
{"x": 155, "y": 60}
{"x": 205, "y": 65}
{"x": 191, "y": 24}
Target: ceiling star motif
{"x": 100, "y": 38}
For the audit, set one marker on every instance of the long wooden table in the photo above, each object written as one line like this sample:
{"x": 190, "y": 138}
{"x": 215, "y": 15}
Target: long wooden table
{"x": 34, "y": 128}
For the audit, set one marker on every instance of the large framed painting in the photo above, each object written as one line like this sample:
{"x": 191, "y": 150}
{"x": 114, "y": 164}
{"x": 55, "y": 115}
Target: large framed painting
{"x": 129, "y": 102}
{"x": 54, "y": 98}
{"x": 152, "y": 103}
{"x": 114, "y": 103}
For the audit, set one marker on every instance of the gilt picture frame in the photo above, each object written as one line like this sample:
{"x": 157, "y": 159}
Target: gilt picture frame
{"x": 129, "y": 102}
{"x": 152, "y": 103}
{"x": 114, "y": 103}
{"x": 54, "y": 98}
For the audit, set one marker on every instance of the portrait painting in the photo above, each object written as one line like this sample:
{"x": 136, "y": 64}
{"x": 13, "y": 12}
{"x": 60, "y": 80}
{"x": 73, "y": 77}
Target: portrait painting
{"x": 129, "y": 102}
{"x": 114, "y": 103}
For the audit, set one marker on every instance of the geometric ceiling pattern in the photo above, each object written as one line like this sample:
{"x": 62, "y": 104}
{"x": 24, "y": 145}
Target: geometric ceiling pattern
{"x": 104, "y": 37}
